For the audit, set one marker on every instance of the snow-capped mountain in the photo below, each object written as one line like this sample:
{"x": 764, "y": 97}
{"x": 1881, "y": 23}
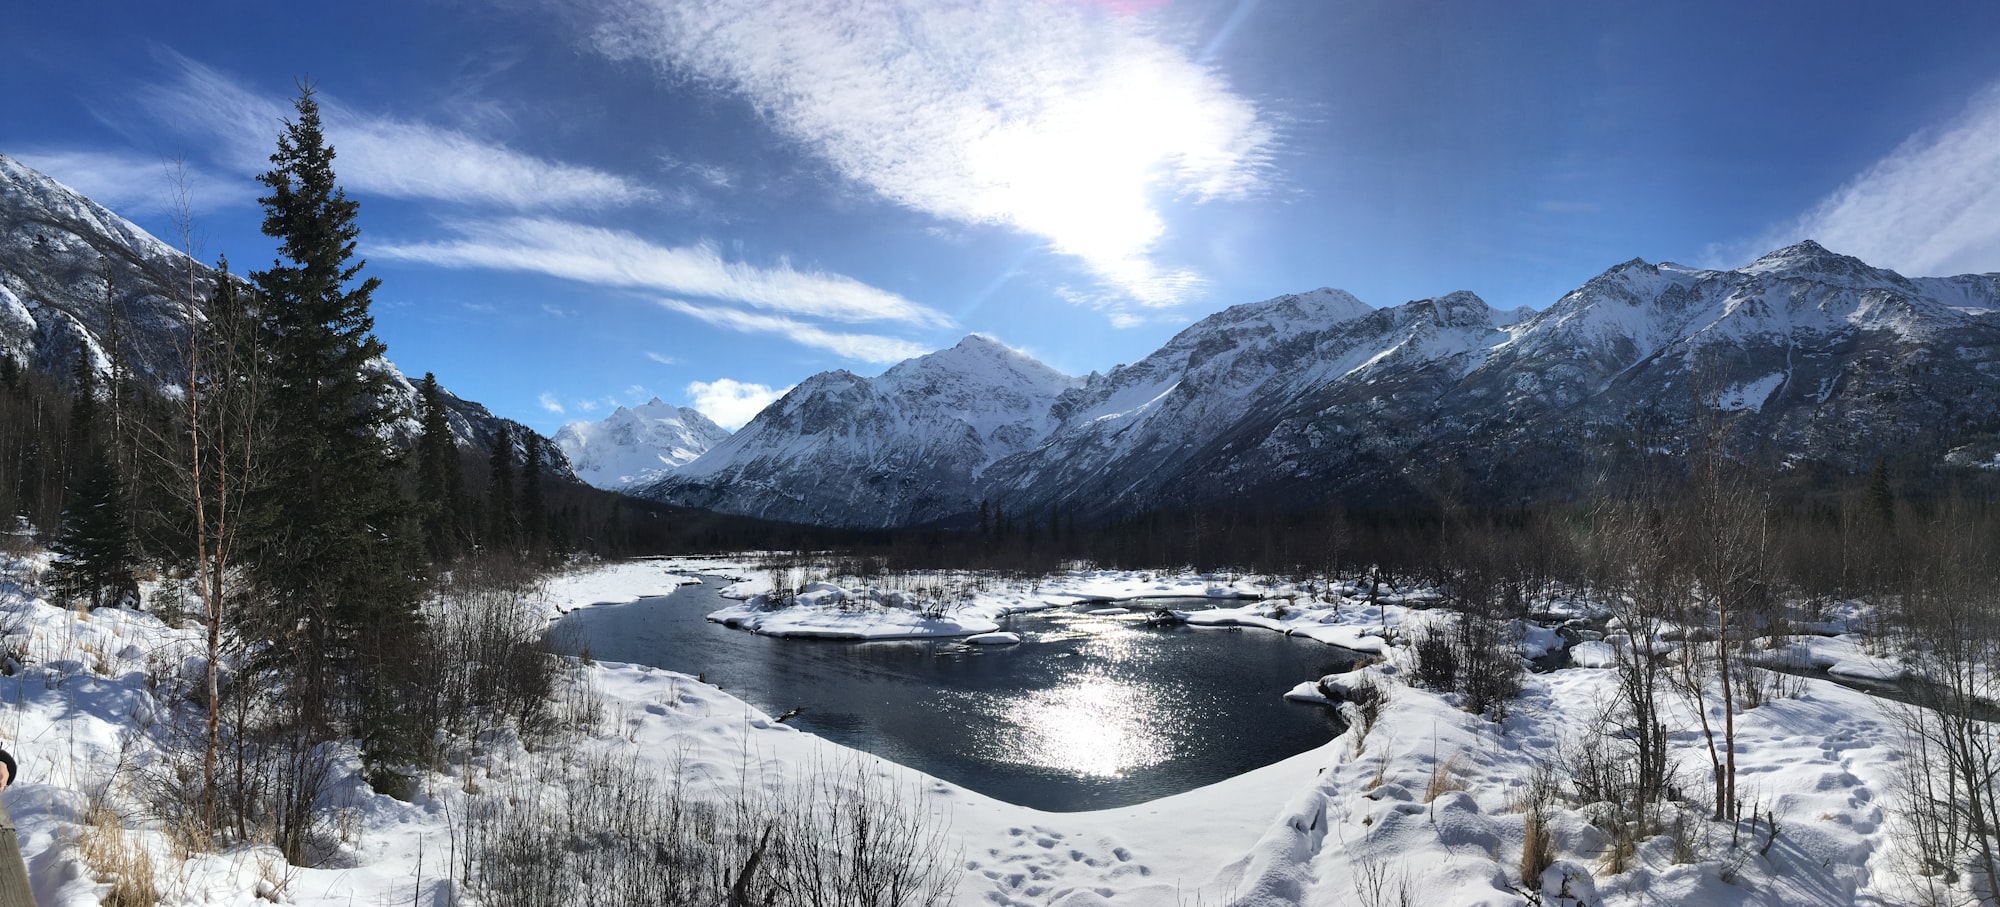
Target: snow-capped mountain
{"x": 1811, "y": 360}
{"x": 74, "y": 275}
{"x": 1119, "y": 432}
{"x": 637, "y": 445}
{"x": 904, "y": 447}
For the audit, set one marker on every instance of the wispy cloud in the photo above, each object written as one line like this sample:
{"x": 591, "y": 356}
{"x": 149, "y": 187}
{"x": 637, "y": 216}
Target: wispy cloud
{"x": 1059, "y": 120}
{"x": 662, "y": 359}
{"x": 864, "y": 347}
{"x": 1931, "y": 207}
{"x": 731, "y": 403}
{"x": 383, "y": 155}
{"x": 715, "y": 176}
{"x": 135, "y": 183}
{"x": 550, "y": 403}
{"x": 614, "y": 258}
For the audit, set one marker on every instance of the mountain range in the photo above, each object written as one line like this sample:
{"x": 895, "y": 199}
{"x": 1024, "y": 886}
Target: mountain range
{"x": 1805, "y": 362}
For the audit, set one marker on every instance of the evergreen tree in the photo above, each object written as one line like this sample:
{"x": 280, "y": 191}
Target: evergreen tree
{"x": 330, "y": 551}
{"x": 93, "y": 547}
{"x": 500, "y": 509}
{"x": 534, "y": 512}
{"x": 1881, "y": 501}
{"x": 83, "y": 407}
{"x": 438, "y": 478}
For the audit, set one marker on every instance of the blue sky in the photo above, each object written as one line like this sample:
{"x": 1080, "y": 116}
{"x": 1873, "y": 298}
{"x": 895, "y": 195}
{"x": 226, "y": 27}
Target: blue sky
{"x": 574, "y": 205}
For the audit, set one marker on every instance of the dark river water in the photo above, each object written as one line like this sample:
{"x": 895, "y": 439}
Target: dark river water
{"x": 1089, "y": 712}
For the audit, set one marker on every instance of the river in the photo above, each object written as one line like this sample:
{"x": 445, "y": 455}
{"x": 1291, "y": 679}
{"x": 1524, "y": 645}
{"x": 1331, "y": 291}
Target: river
{"x": 1091, "y": 711}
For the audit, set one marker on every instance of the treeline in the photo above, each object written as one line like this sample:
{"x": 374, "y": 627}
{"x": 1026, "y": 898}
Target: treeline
{"x": 1828, "y": 543}
{"x": 53, "y": 426}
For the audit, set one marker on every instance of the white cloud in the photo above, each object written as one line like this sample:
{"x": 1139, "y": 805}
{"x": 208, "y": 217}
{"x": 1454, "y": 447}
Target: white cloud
{"x": 137, "y": 184}
{"x": 864, "y": 347}
{"x": 662, "y": 359}
{"x": 715, "y": 176}
{"x": 1930, "y": 208}
{"x": 382, "y": 155}
{"x": 549, "y": 402}
{"x": 614, "y": 258}
{"x": 731, "y": 403}
{"x": 1064, "y": 121}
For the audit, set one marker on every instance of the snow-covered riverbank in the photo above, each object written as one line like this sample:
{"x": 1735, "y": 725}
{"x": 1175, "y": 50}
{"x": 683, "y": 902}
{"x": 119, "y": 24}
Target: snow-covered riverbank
{"x": 1431, "y": 798}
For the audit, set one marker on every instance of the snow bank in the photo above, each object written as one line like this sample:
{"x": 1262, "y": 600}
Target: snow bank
{"x": 615, "y": 582}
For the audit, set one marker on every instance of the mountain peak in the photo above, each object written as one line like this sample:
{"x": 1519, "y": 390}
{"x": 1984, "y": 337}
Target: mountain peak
{"x": 1802, "y": 254}
{"x": 987, "y": 345}
{"x": 637, "y": 444}
{"x": 1330, "y": 304}
{"x": 983, "y": 359}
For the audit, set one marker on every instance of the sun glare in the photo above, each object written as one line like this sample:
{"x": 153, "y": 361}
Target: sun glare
{"x": 1099, "y": 727}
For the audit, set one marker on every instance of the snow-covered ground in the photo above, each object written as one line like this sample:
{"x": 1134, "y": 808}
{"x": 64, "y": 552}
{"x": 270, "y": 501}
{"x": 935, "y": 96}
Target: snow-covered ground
{"x": 1430, "y": 801}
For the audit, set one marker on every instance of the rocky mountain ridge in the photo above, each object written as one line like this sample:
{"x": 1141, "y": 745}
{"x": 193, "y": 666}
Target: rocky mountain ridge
{"x": 904, "y": 447}
{"x": 1812, "y": 360}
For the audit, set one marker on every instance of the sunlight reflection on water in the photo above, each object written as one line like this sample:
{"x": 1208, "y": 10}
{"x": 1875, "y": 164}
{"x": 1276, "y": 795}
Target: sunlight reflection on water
{"x": 1103, "y": 721}
{"x": 1093, "y": 726}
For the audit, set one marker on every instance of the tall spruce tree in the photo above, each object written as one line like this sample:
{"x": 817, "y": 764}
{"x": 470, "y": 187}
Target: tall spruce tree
{"x": 331, "y": 553}
{"x": 83, "y": 406}
{"x": 438, "y": 477}
{"x": 93, "y": 546}
{"x": 500, "y": 507}
{"x": 534, "y": 511}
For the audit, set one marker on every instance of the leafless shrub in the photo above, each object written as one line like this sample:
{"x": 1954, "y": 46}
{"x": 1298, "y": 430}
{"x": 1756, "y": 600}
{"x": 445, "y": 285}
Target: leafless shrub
{"x": 851, "y": 838}
{"x": 837, "y": 837}
{"x": 1538, "y": 845}
{"x": 1475, "y": 655}
{"x": 1365, "y": 699}
{"x": 485, "y": 664}
{"x": 1380, "y": 886}
{"x": 1947, "y": 625}
{"x": 1436, "y": 661}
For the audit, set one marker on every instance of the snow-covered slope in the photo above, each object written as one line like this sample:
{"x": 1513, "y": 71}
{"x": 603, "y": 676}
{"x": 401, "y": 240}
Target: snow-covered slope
{"x": 901, "y": 448}
{"x": 637, "y": 445}
{"x": 1809, "y": 358}
{"x": 72, "y": 273}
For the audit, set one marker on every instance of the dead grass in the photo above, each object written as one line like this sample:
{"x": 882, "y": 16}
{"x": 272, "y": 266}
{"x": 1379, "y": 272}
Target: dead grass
{"x": 113, "y": 857}
{"x": 1445, "y": 778}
